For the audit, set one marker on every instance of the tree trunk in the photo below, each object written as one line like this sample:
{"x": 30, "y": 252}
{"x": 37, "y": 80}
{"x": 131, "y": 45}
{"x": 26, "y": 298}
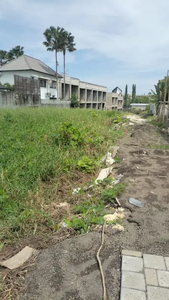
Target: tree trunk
{"x": 64, "y": 71}
{"x": 57, "y": 74}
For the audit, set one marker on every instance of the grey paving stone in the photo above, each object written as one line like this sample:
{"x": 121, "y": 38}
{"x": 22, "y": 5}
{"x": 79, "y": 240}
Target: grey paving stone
{"x": 163, "y": 278}
{"x": 154, "y": 262}
{"x": 133, "y": 280}
{"x": 134, "y": 264}
{"x": 131, "y": 253}
{"x": 157, "y": 293}
{"x": 129, "y": 294}
{"x": 167, "y": 262}
{"x": 151, "y": 277}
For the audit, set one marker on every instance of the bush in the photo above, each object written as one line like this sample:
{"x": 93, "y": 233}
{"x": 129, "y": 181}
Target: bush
{"x": 69, "y": 135}
{"x": 87, "y": 165}
{"x": 74, "y": 102}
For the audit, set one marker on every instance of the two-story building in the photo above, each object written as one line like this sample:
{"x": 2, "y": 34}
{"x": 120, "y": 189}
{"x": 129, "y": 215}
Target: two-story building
{"x": 114, "y": 99}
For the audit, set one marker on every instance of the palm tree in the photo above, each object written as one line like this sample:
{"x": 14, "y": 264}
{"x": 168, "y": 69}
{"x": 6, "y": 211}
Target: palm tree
{"x": 67, "y": 45}
{"x": 53, "y": 42}
{"x": 15, "y": 52}
{"x": 3, "y": 57}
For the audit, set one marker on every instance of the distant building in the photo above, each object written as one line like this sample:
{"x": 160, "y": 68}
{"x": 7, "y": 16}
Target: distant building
{"x": 117, "y": 90}
{"x": 139, "y": 106}
{"x": 92, "y": 96}
{"x": 114, "y": 100}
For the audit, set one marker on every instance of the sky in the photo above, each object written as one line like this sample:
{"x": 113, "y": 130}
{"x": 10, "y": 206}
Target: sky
{"x": 118, "y": 42}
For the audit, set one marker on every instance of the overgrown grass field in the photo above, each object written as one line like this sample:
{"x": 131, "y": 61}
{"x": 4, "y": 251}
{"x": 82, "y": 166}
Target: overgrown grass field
{"x": 39, "y": 149}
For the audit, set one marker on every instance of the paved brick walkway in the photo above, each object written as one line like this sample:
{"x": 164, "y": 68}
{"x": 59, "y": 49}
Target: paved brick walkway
{"x": 144, "y": 276}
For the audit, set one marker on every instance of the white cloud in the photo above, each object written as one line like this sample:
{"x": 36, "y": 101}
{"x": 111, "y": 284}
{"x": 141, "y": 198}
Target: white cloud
{"x": 133, "y": 32}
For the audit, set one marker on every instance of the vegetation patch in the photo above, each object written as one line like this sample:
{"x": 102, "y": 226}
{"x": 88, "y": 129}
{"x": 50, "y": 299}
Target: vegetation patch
{"x": 43, "y": 153}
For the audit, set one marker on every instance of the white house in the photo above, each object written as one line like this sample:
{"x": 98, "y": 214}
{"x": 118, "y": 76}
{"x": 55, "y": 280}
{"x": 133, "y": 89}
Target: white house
{"x": 27, "y": 66}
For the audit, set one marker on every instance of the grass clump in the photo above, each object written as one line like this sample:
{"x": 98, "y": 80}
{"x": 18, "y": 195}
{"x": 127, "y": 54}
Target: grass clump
{"x": 41, "y": 148}
{"x": 87, "y": 214}
{"x": 109, "y": 194}
{"x": 87, "y": 164}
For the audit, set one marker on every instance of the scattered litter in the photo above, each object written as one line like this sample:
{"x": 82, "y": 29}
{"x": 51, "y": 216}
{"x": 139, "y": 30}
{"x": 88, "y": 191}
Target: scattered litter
{"x": 54, "y": 207}
{"x": 62, "y": 205}
{"x": 64, "y": 225}
{"x": 114, "y": 150}
{"x": 119, "y": 177}
{"x": 118, "y": 227}
{"x": 88, "y": 195}
{"x": 118, "y": 202}
{"x": 120, "y": 209}
{"x": 104, "y": 173}
{"x": 145, "y": 152}
{"x": 135, "y": 202}
{"x": 19, "y": 259}
{"x": 114, "y": 217}
{"x": 107, "y": 159}
{"x": 76, "y": 191}
{"x": 131, "y": 124}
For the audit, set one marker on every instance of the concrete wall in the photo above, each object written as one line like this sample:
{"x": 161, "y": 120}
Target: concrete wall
{"x": 153, "y": 108}
{"x": 89, "y": 95}
{"x": 139, "y": 107}
{"x": 13, "y": 100}
{"x": 114, "y": 101}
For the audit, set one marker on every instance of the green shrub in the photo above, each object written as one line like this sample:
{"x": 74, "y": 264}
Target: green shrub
{"x": 74, "y": 102}
{"x": 69, "y": 135}
{"x": 87, "y": 164}
{"x": 110, "y": 194}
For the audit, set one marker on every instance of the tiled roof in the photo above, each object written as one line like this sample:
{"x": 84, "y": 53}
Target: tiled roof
{"x": 25, "y": 62}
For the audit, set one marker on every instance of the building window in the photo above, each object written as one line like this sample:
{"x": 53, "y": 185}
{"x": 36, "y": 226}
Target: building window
{"x": 52, "y": 85}
{"x": 43, "y": 83}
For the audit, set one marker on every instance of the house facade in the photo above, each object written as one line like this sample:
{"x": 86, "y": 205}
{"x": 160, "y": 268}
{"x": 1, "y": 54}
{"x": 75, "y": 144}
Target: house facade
{"x": 115, "y": 100}
{"x": 30, "y": 67}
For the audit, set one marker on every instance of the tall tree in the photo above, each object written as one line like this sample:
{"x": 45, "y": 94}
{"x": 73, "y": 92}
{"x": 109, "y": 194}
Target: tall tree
{"x": 133, "y": 93}
{"x": 68, "y": 44}
{"x": 15, "y": 52}
{"x": 3, "y": 57}
{"x": 126, "y": 96}
{"x": 54, "y": 40}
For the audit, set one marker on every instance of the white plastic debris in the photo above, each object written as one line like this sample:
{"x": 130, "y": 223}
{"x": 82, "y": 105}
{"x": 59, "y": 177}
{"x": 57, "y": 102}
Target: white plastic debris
{"x": 131, "y": 124}
{"x": 135, "y": 202}
{"x": 76, "y": 191}
{"x": 19, "y": 259}
{"x": 119, "y": 177}
{"x": 104, "y": 173}
{"x": 107, "y": 159}
{"x": 64, "y": 225}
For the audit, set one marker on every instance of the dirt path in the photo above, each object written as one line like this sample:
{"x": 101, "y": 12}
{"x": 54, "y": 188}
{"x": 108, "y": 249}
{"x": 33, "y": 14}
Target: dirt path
{"x": 69, "y": 269}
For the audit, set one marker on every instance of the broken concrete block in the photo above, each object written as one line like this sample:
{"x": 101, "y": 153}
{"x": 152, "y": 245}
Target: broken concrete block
{"x": 104, "y": 173}
{"x": 19, "y": 259}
